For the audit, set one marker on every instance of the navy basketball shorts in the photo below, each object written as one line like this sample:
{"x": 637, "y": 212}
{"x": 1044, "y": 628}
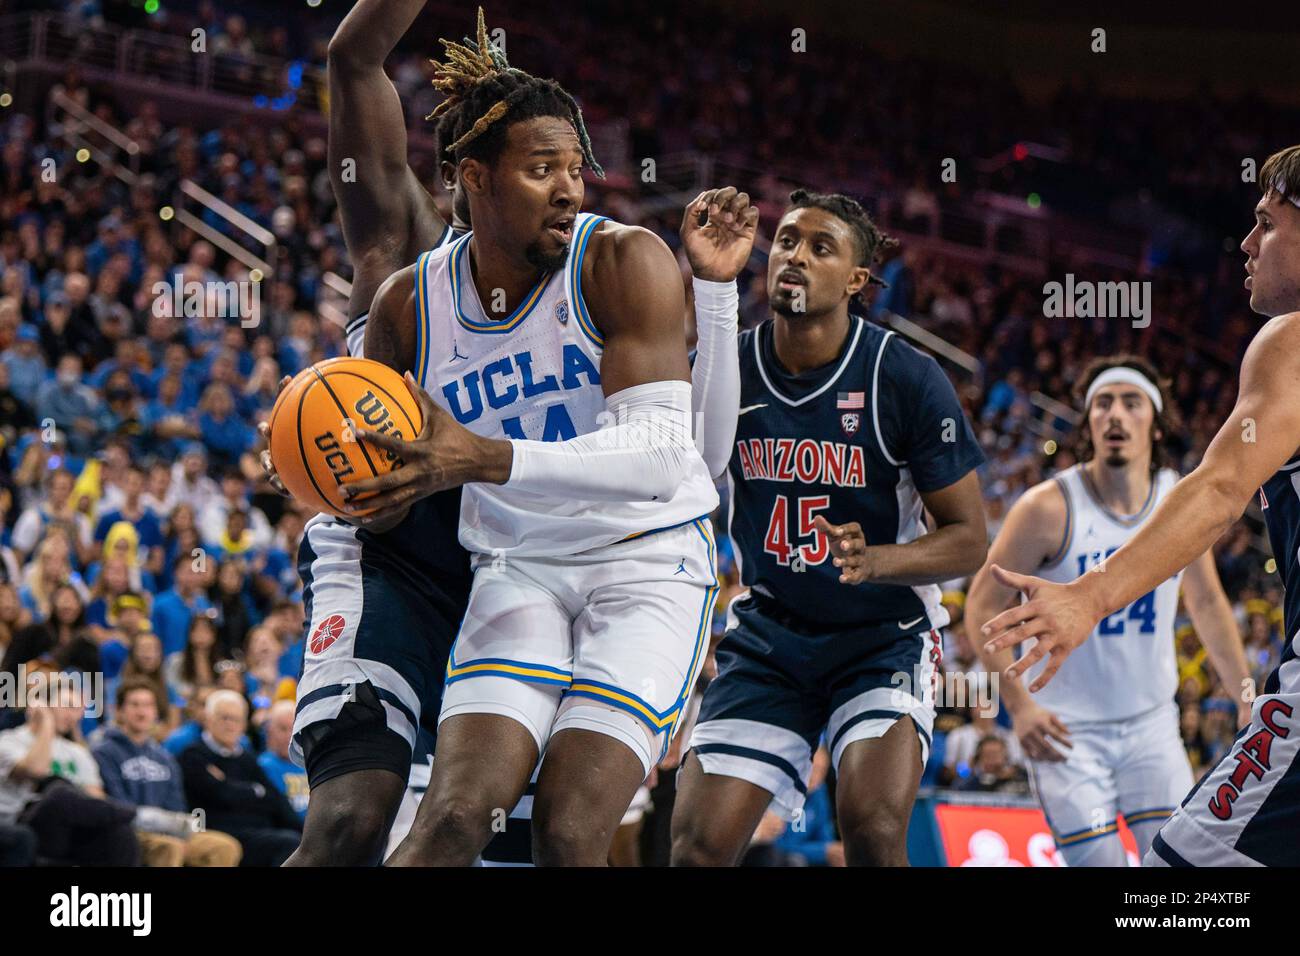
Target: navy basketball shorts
{"x": 778, "y": 691}
{"x": 378, "y": 635}
{"x": 1246, "y": 810}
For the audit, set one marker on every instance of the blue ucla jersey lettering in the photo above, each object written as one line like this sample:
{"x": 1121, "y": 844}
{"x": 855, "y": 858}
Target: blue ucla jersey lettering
{"x": 532, "y": 375}
{"x": 1127, "y": 666}
{"x": 1280, "y": 499}
{"x": 857, "y": 440}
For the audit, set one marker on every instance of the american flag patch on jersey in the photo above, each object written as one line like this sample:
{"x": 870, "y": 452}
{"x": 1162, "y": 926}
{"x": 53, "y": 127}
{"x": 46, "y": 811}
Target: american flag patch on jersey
{"x": 850, "y": 399}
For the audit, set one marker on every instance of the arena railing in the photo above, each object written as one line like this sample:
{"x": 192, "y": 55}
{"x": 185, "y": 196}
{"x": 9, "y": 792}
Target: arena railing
{"x": 76, "y": 126}
{"x": 253, "y": 233}
{"x": 73, "y": 124}
{"x": 100, "y": 49}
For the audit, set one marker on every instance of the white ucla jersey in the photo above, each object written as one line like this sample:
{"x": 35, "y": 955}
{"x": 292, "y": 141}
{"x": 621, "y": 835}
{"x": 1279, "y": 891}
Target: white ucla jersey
{"x": 1127, "y": 665}
{"x": 532, "y": 375}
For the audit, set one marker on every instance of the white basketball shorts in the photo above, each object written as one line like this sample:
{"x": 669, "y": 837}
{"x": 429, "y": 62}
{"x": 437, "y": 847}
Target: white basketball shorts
{"x": 1136, "y": 768}
{"x": 609, "y": 640}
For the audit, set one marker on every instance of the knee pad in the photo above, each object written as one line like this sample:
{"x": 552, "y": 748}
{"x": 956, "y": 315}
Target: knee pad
{"x": 579, "y": 714}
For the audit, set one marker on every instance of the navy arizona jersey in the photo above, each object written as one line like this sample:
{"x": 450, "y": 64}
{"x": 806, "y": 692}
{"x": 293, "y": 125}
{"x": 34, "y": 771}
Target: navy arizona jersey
{"x": 1280, "y": 499}
{"x": 855, "y": 440}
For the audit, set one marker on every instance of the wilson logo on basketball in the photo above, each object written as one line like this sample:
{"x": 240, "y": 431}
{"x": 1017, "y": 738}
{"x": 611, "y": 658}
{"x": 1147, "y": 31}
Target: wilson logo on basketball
{"x": 327, "y": 632}
{"x": 377, "y": 417}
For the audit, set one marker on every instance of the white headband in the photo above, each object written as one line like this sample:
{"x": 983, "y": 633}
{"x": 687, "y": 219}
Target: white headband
{"x": 1124, "y": 375}
{"x": 1280, "y": 188}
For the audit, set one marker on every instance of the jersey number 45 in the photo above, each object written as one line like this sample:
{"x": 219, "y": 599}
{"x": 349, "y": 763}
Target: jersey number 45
{"x": 777, "y": 540}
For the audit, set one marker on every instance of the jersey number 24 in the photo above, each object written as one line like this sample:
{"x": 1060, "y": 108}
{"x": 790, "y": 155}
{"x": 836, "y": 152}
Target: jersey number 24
{"x": 1143, "y": 610}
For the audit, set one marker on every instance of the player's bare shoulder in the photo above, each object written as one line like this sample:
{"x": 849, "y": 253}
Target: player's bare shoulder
{"x": 391, "y": 329}
{"x": 621, "y": 263}
{"x": 1278, "y": 339}
{"x": 1040, "y": 517}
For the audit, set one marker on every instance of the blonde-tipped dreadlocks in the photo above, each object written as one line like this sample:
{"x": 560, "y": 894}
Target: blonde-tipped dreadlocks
{"x": 481, "y": 87}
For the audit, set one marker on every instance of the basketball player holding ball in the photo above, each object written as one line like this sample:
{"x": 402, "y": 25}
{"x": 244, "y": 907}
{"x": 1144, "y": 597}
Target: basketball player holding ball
{"x": 384, "y": 600}
{"x": 567, "y": 416}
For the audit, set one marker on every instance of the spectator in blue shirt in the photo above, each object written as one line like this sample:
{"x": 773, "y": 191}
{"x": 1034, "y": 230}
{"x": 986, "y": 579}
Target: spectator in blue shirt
{"x": 226, "y": 435}
{"x": 896, "y": 288}
{"x": 168, "y": 424}
{"x": 113, "y": 240}
{"x": 27, "y": 368}
{"x": 127, "y": 618}
{"x": 285, "y": 622}
{"x": 124, "y": 411}
{"x": 125, "y": 358}
{"x": 176, "y": 361}
{"x": 74, "y": 407}
{"x": 147, "y": 526}
{"x": 175, "y": 606}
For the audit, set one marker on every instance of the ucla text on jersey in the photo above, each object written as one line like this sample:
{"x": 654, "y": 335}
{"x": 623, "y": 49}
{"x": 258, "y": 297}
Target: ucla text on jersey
{"x": 533, "y": 374}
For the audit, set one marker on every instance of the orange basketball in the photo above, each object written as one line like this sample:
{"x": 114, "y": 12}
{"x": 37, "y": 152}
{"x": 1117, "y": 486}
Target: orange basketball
{"x": 313, "y": 447}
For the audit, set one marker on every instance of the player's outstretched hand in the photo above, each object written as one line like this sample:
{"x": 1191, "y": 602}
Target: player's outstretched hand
{"x": 264, "y": 429}
{"x": 1058, "y": 615}
{"x": 1036, "y": 727}
{"x": 434, "y": 460}
{"x": 718, "y": 230}
{"x": 848, "y": 548}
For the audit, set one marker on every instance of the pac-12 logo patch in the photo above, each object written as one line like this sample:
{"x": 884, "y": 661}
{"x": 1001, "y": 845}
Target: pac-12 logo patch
{"x": 850, "y": 421}
{"x": 562, "y": 311}
{"x": 327, "y": 632}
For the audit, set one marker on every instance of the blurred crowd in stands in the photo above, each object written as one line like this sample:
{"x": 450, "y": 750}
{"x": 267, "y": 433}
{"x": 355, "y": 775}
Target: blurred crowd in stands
{"x": 140, "y": 547}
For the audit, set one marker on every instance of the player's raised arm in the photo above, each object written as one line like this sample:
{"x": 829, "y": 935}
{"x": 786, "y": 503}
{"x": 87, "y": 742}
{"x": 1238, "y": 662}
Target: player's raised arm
{"x": 1261, "y": 435}
{"x": 718, "y": 229}
{"x": 391, "y": 330}
{"x": 387, "y": 215}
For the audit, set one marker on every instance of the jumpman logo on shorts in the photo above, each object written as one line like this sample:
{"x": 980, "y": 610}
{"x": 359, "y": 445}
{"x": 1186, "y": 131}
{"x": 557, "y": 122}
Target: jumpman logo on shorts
{"x": 681, "y": 569}
{"x": 455, "y": 353}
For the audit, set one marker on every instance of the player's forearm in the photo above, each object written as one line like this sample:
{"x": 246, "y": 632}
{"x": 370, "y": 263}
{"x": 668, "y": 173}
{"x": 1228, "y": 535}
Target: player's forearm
{"x": 715, "y": 379}
{"x": 1217, "y": 628}
{"x": 645, "y": 456}
{"x": 951, "y": 551}
{"x": 370, "y": 31}
{"x": 982, "y": 605}
{"x": 1185, "y": 525}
